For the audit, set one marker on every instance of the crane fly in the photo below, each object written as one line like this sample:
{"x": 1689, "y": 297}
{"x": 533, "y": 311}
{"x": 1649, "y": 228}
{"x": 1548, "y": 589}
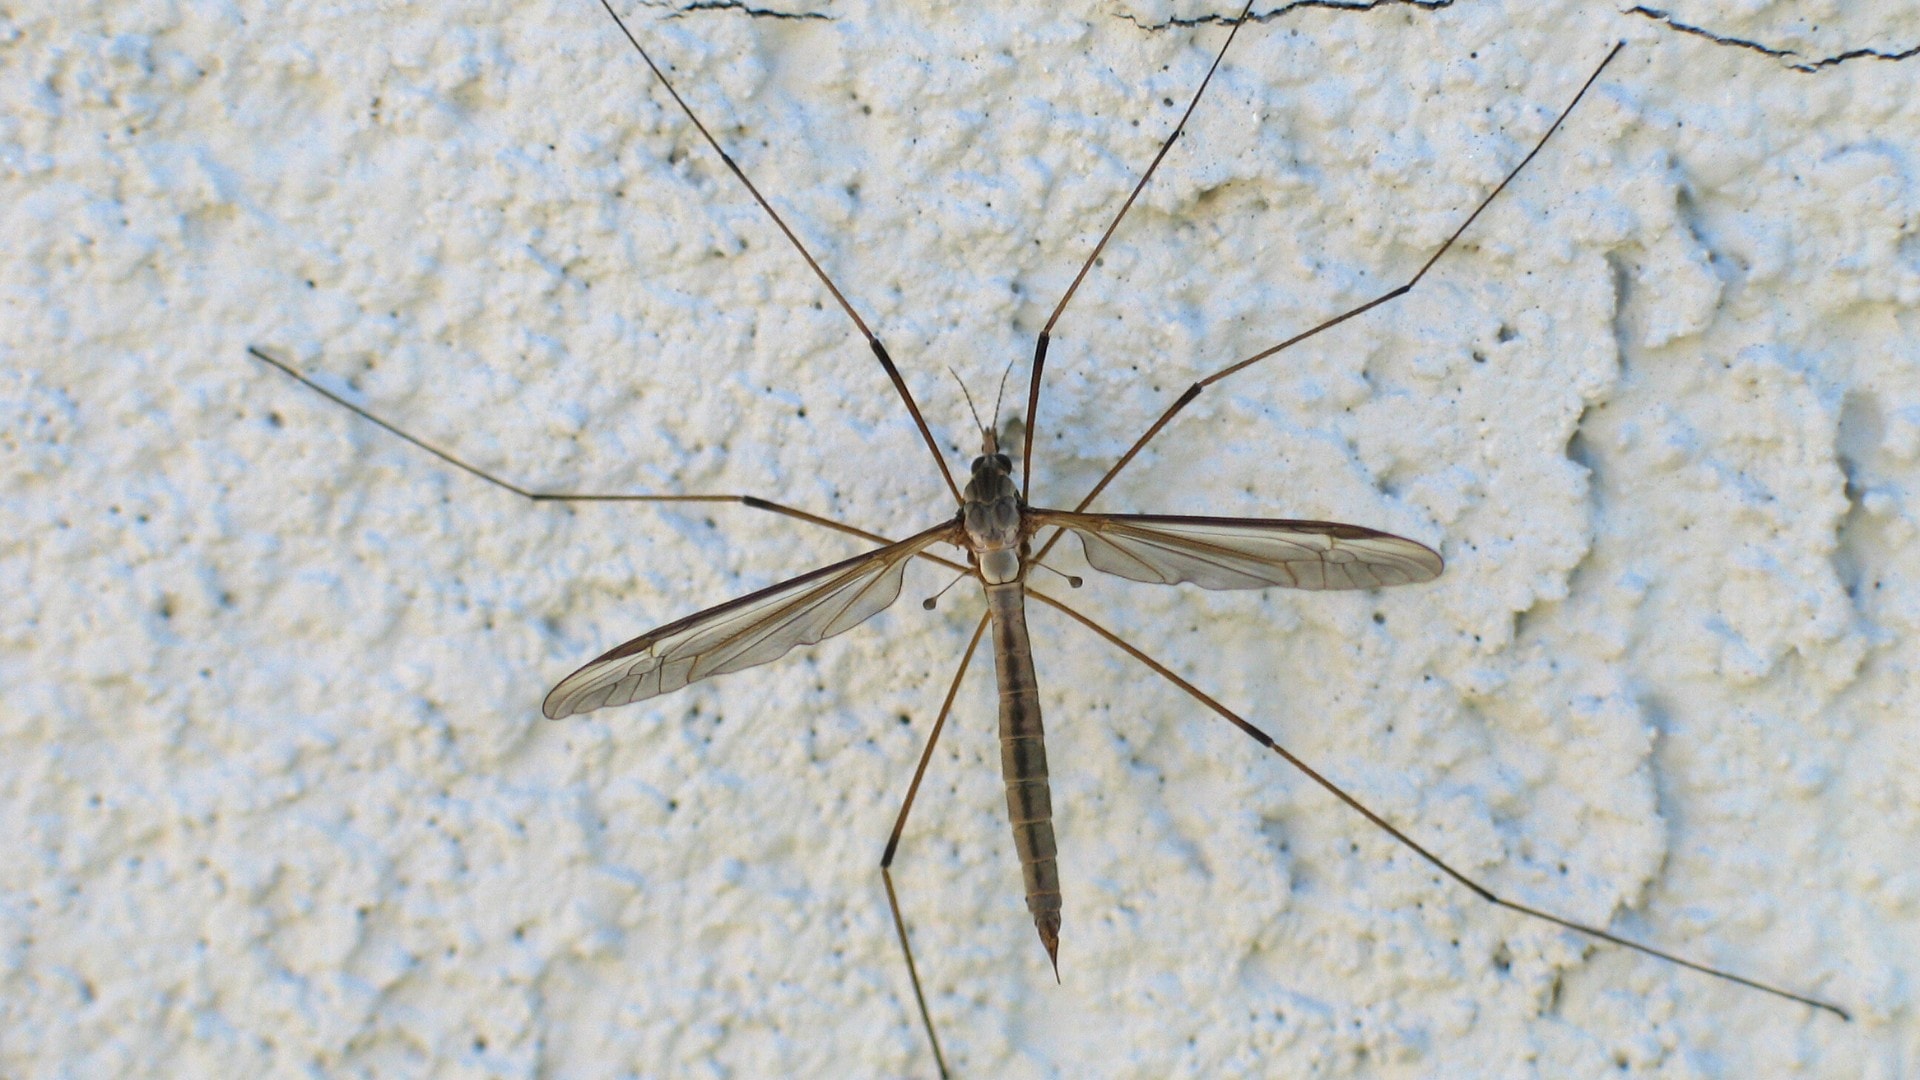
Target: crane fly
{"x": 995, "y": 527}
{"x": 999, "y": 532}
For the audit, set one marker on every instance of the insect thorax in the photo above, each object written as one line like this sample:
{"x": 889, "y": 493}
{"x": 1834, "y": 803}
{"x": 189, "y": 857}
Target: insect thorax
{"x": 992, "y": 518}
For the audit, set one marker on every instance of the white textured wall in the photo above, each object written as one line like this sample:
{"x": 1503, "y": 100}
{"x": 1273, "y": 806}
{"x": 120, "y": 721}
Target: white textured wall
{"x": 276, "y": 796}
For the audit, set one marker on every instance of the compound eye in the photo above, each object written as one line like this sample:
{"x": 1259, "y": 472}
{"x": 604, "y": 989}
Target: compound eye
{"x": 977, "y": 463}
{"x": 1005, "y": 462}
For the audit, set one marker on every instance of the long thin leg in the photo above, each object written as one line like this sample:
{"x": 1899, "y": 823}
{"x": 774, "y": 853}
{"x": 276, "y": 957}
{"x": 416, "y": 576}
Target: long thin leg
{"x": 1477, "y": 889}
{"x": 900, "y": 823}
{"x": 1194, "y": 391}
{"x": 1046, "y": 332}
{"x": 753, "y": 501}
{"x": 879, "y": 350}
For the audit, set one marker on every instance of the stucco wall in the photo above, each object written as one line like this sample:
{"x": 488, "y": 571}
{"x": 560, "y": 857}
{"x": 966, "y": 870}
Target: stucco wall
{"x": 277, "y": 797}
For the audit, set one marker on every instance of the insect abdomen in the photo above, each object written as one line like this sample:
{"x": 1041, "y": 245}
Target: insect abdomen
{"x": 1023, "y": 761}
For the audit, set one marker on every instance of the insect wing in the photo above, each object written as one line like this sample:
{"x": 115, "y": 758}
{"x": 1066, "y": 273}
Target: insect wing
{"x": 1245, "y": 553}
{"x": 754, "y": 629}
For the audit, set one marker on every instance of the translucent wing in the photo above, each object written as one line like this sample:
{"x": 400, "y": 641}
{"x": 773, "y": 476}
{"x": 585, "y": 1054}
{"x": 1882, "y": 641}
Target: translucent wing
{"x": 1245, "y": 553}
{"x": 742, "y": 633}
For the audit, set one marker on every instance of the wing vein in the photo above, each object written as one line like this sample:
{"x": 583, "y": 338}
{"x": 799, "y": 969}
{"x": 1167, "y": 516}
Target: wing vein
{"x": 1245, "y": 553}
{"x": 747, "y": 631}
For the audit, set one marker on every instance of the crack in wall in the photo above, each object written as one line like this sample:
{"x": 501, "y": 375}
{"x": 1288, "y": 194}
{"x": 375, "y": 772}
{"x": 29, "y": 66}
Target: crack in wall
{"x": 1796, "y": 61}
{"x": 1286, "y": 9}
{"x": 699, "y": 6}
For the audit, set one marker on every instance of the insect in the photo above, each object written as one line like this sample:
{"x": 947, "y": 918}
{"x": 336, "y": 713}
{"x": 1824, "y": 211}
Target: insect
{"x": 1003, "y": 537}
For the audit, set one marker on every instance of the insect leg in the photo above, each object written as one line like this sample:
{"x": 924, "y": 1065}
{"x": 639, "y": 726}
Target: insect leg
{"x": 873, "y": 342}
{"x": 1194, "y": 391}
{"x": 1473, "y": 886}
{"x": 752, "y": 501}
{"x": 900, "y": 823}
{"x": 1046, "y": 332}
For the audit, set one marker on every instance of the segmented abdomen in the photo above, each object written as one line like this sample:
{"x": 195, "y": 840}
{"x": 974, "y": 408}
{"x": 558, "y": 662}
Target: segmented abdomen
{"x": 1023, "y": 759}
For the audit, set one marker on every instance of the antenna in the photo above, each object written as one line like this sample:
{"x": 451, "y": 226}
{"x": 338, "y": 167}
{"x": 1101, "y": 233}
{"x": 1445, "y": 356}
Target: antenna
{"x": 987, "y": 435}
{"x": 1000, "y": 394}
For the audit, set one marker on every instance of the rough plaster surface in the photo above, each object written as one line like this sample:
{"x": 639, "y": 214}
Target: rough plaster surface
{"x": 276, "y": 795}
